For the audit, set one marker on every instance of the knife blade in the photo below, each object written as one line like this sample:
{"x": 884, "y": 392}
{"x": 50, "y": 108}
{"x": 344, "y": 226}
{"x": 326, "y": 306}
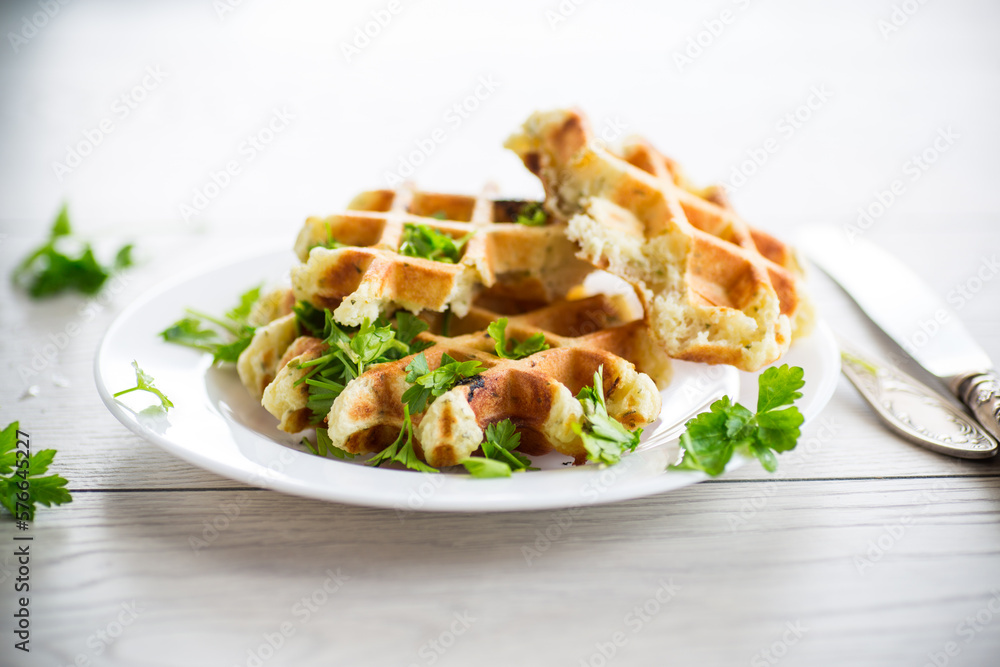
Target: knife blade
{"x": 910, "y": 313}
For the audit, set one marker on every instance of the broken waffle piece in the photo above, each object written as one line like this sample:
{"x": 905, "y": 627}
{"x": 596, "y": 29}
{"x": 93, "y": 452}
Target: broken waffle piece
{"x": 711, "y": 295}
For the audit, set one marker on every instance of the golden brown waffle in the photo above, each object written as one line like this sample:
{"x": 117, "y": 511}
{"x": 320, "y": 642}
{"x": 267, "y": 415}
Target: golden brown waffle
{"x": 709, "y": 210}
{"x": 537, "y": 393}
{"x": 370, "y": 277}
{"x": 711, "y": 294}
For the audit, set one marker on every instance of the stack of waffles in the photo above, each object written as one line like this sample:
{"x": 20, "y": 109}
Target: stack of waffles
{"x": 710, "y": 289}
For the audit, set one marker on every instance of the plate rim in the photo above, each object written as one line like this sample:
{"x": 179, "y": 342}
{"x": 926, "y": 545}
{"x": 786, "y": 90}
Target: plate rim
{"x": 660, "y": 483}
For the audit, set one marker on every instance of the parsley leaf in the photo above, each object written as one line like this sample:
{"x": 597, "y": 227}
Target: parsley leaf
{"x": 401, "y": 451}
{"x": 242, "y": 310}
{"x": 22, "y": 484}
{"x": 423, "y": 241}
{"x": 47, "y": 271}
{"x": 713, "y": 437}
{"x": 373, "y": 343}
{"x": 498, "y": 332}
{"x": 499, "y": 458}
{"x": 194, "y": 330}
{"x": 408, "y": 326}
{"x": 350, "y": 352}
{"x": 604, "y": 437}
{"x": 485, "y": 468}
{"x": 309, "y": 319}
{"x": 189, "y": 331}
{"x": 429, "y": 384}
{"x": 324, "y": 446}
{"x": 143, "y": 382}
{"x": 532, "y": 215}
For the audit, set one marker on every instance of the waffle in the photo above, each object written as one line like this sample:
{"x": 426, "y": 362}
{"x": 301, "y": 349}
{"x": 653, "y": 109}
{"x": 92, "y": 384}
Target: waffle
{"x": 711, "y": 294}
{"x": 368, "y": 276}
{"x": 709, "y": 210}
{"x": 537, "y": 393}
{"x": 276, "y": 331}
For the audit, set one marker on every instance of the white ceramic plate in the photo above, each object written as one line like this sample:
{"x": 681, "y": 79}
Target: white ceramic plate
{"x": 217, "y": 426}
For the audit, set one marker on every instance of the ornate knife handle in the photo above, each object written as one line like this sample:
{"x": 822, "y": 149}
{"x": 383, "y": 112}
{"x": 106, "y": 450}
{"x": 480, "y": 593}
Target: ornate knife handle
{"x": 981, "y": 392}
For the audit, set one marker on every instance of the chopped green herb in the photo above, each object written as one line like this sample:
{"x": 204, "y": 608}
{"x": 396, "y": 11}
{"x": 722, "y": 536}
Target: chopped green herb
{"x": 324, "y": 446}
{"x": 604, "y": 437}
{"x": 485, "y": 468}
{"x": 446, "y": 318}
{"x": 144, "y": 382}
{"x": 401, "y": 451}
{"x": 351, "y": 351}
{"x": 532, "y": 215}
{"x": 512, "y": 349}
{"x": 423, "y": 241}
{"x": 428, "y": 384}
{"x": 713, "y": 437}
{"x": 439, "y": 215}
{"x": 408, "y": 326}
{"x": 47, "y": 271}
{"x": 309, "y": 319}
{"x": 330, "y": 242}
{"x": 23, "y": 483}
{"x": 194, "y": 330}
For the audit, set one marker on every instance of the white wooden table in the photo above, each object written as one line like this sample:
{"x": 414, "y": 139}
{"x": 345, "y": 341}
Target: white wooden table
{"x": 862, "y": 550}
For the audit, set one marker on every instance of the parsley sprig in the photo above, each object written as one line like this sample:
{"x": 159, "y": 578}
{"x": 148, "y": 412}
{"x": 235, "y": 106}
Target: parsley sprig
{"x": 428, "y": 384}
{"x": 350, "y": 351}
{"x": 401, "y": 451}
{"x": 225, "y": 337}
{"x": 330, "y": 242}
{"x": 324, "y": 446}
{"x": 531, "y": 215}
{"x": 604, "y": 437}
{"x": 499, "y": 458}
{"x": 512, "y": 349}
{"x": 423, "y": 241}
{"x": 728, "y": 428}
{"x": 47, "y": 270}
{"x": 144, "y": 382}
{"x": 23, "y": 482}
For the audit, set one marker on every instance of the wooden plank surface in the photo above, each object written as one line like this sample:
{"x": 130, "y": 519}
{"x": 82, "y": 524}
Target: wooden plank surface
{"x": 874, "y": 572}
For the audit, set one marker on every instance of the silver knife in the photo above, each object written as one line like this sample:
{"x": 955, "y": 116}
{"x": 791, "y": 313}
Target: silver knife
{"x": 910, "y": 313}
{"x": 913, "y": 410}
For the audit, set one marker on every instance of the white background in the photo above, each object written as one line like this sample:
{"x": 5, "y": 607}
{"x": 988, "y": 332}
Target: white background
{"x": 750, "y": 555}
